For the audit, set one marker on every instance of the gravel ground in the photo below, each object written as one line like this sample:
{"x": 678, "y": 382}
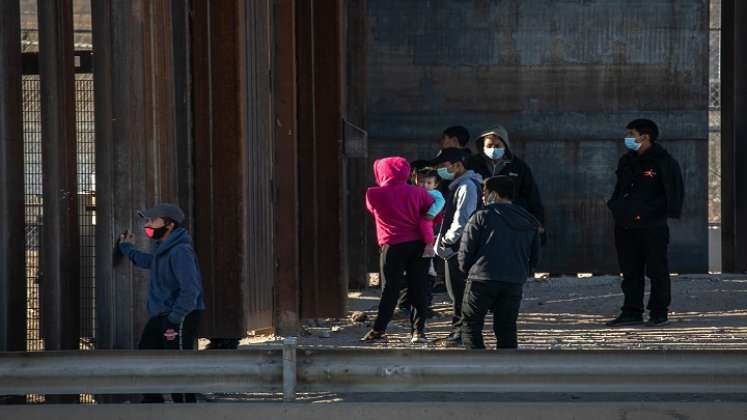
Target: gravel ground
{"x": 568, "y": 313}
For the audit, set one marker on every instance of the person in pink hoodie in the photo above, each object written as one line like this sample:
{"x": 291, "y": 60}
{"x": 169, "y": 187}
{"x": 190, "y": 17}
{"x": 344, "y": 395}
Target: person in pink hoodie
{"x": 398, "y": 209}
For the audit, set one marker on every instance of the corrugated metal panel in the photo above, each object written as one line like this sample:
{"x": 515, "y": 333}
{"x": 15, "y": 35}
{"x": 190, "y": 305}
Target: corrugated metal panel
{"x": 60, "y": 246}
{"x": 135, "y": 151}
{"x": 259, "y": 276}
{"x": 285, "y": 108}
{"x": 321, "y": 80}
{"x": 564, "y": 78}
{"x": 12, "y": 261}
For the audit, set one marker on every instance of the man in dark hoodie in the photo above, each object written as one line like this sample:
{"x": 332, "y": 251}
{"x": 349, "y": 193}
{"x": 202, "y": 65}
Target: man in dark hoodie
{"x": 495, "y": 157}
{"x": 649, "y": 190}
{"x": 175, "y": 296}
{"x": 463, "y": 199}
{"x": 500, "y": 248}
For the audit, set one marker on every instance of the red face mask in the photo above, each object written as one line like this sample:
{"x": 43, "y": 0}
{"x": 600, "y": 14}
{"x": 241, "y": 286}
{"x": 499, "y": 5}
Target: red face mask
{"x": 155, "y": 233}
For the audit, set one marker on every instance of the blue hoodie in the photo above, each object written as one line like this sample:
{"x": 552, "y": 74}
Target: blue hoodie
{"x": 175, "y": 283}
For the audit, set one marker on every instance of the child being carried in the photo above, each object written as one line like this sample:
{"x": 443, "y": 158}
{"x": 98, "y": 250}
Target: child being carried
{"x": 428, "y": 178}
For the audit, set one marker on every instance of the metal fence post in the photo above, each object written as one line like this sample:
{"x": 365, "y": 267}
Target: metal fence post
{"x": 289, "y": 368}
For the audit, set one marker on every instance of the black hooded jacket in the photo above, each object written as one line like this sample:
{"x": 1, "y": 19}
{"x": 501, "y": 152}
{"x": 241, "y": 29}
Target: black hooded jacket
{"x": 649, "y": 189}
{"x": 500, "y": 243}
{"x": 527, "y": 194}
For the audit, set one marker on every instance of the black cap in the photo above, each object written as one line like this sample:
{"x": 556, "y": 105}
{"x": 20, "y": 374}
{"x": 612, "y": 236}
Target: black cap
{"x": 451, "y": 155}
{"x": 170, "y": 211}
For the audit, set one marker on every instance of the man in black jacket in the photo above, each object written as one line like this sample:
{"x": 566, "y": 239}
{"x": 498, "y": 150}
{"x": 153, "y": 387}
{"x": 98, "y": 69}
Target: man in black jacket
{"x": 495, "y": 157}
{"x": 499, "y": 249}
{"x": 648, "y": 191}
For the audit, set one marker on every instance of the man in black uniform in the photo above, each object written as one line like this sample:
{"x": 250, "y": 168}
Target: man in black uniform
{"x": 648, "y": 191}
{"x": 495, "y": 157}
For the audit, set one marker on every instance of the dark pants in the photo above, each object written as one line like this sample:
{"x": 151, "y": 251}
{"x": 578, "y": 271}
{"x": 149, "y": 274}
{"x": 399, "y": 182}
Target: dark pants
{"x": 430, "y": 281}
{"x": 642, "y": 251}
{"x": 403, "y": 264}
{"x": 455, "y": 283}
{"x": 153, "y": 339}
{"x": 501, "y": 298}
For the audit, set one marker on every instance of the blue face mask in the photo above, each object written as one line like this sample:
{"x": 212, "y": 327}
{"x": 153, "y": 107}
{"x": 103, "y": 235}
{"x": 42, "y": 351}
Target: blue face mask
{"x": 494, "y": 153}
{"x": 631, "y": 144}
{"x": 445, "y": 174}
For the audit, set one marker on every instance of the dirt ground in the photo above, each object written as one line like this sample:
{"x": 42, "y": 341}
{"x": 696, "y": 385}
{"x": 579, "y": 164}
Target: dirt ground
{"x": 565, "y": 313}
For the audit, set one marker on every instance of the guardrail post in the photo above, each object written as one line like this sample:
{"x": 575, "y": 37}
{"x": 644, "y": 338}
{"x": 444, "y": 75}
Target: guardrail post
{"x": 289, "y": 368}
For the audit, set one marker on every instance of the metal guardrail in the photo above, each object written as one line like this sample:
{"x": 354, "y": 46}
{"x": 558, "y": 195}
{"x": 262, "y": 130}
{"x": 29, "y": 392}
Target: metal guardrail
{"x": 292, "y": 369}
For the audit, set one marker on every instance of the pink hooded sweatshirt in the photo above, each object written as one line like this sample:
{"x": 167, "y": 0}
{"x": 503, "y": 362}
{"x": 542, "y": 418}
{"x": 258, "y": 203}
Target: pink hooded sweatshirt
{"x": 396, "y": 206}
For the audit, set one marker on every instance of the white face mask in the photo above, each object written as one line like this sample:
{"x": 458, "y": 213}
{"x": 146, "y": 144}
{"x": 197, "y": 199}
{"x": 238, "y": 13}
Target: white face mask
{"x": 494, "y": 153}
{"x": 489, "y": 199}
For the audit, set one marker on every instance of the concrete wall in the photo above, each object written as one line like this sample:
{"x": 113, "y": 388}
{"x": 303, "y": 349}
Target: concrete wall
{"x": 564, "y": 77}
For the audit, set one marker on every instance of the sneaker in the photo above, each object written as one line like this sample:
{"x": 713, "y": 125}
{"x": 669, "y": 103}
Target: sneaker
{"x": 624, "y": 320}
{"x": 452, "y": 340}
{"x": 657, "y": 320}
{"x": 418, "y": 338}
{"x": 373, "y": 335}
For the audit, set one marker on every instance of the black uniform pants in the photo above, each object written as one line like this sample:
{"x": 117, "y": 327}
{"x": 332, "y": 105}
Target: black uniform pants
{"x": 644, "y": 252}
{"x": 403, "y": 264}
{"x": 153, "y": 339}
{"x": 455, "y": 283}
{"x": 501, "y": 298}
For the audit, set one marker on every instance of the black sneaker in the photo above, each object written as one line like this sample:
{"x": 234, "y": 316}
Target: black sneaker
{"x": 625, "y": 320}
{"x": 657, "y": 320}
{"x": 373, "y": 335}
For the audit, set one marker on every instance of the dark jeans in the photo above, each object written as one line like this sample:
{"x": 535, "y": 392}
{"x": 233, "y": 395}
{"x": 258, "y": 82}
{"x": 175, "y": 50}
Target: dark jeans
{"x": 642, "y": 251}
{"x": 153, "y": 339}
{"x": 403, "y": 264}
{"x": 455, "y": 283}
{"x": 501, "y": 298}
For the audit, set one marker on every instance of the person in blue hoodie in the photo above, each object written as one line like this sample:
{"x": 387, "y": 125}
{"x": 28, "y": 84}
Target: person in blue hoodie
{"x": 175, "y": 295}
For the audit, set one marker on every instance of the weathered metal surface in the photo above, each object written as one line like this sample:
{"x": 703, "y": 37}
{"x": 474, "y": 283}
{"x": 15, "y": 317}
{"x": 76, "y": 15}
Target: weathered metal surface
{"x": 12, "y": 223}
{"x": 265, "y": 369}
{"x": 183, "y": 107}
{"x": 286, "y": 168}
{"x": 116, "y": 372}
{"x": 258, "y": 282}
{"x": 307, "y": 147}
{"x": 734, "y": 135}
{"x": 135, "y": 152}
{"x": 234, "y": 155}
{"x": 60, "y": 262}
{"x": 323, "y": 279}
{"x": 564, "y": 78}
{"x": 356, "y": 162}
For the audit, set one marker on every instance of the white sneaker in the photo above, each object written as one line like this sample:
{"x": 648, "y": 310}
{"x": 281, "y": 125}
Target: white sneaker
{"x": 418, "y": 338}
